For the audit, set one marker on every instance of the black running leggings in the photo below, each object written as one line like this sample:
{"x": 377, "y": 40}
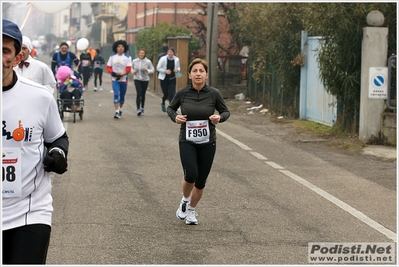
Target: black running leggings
{"x": 141, "y": 88}
{"x": 196, "y": 160}
{"x": 98, "y": 73}
{"x": 168, "y": 90}
{"x": 26, "y": 244}
{"x": 86, "y": 72}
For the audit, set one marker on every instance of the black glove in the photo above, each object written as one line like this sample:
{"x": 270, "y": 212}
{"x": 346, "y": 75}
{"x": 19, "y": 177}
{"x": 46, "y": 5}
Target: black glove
{"x": 55, "y": 162}
{"x": 118, "y": 76}
{"x": 113, "y": 74}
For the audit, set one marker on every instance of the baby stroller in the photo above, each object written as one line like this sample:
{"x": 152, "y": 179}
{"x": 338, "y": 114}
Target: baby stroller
{"x": 70, "y": 91}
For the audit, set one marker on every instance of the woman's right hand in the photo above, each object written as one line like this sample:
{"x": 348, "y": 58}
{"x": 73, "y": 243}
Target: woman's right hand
{"x": 180, "y": 119}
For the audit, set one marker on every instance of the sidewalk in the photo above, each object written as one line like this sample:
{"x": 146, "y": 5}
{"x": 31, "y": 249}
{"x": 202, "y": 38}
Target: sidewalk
{"x": 386, "y": 152}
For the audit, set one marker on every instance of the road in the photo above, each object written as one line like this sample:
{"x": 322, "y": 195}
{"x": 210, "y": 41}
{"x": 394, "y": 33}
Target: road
{"x": 264, "y": 202}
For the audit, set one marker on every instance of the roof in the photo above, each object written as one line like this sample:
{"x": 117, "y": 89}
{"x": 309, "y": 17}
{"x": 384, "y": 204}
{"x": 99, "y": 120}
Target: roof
{"x": 137, "y": 29}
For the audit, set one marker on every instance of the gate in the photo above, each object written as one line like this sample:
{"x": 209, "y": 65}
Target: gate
{"x": 315, "y": 104}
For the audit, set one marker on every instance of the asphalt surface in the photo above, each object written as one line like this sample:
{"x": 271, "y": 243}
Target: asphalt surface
{"x": 264, "y": 202}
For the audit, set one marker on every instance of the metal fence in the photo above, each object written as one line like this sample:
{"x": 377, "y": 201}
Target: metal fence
{"x": 392, "y": 84}
{"x": 270, "y": 92}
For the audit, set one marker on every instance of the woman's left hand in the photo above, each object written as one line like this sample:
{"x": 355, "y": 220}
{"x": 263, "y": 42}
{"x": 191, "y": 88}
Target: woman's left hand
{"x": 215, "y": 119}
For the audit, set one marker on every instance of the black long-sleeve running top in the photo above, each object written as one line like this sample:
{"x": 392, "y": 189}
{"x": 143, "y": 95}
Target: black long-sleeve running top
{"x": 198, "y": 105}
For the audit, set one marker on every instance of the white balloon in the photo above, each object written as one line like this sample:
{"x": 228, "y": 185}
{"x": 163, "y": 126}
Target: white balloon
{"x": 82, "y": 44}
{"x": 69, "y": 43}
{"x": 51, "y": 7}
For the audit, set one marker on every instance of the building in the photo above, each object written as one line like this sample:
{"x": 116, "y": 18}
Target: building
{"x": 142, "y": 15}
{"x": 124, "y": 20}
{"x": 81, "y": 20}
{"x": 109, "y": 22}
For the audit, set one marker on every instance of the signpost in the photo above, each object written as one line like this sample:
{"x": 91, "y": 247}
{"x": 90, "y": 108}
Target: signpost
{"x": 378, "y": 83}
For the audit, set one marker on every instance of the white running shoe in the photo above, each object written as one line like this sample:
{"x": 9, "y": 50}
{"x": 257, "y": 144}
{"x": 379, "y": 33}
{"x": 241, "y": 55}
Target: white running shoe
{"x": 191, "y": 217}
{"x": 181, "y": 212}
{"x": 101, "y": 88}
{"x": 95, "y": 89}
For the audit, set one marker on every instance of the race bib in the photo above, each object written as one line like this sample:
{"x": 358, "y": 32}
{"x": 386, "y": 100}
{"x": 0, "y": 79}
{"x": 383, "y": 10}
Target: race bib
{"x": 197, "y": 131}
{"x": 85, "y": 63}
{"x": 12, "y": 184}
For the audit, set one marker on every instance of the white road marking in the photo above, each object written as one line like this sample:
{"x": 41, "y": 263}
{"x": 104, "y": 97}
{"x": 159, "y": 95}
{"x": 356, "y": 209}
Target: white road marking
{"x": 361, "y": 216}
{"x": 259, "y": 156}
{"x": 238, "y": 143}
{"x": 274, "y": 165}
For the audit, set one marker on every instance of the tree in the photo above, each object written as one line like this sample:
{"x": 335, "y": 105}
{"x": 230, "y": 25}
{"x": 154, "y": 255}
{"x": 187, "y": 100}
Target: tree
{"x": 197, "y": 26}
{"x": 272, "y": 31}
{"x": 341, "y": 25}
{"x": 153, "y": 38}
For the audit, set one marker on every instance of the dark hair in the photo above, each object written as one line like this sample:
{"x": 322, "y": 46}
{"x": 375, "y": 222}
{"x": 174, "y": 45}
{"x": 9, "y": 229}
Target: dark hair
{"x": 165, "y": 47}
{"x": 171, "y": 48}
{"x": 145, "y": 52}
{"x": 64, "y": 43}
{"x": 196, "y": 61}
{"x": 17, "y": 47}
{"x": 122, "y": 42}
{"x": 98, "y": 50}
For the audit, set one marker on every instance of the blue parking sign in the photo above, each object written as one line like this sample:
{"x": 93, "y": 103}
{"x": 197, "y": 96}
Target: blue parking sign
{"x": 378, "y": 79}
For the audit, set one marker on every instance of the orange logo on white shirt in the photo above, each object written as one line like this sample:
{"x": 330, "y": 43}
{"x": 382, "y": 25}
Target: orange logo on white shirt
{"x": 19, "y": 133}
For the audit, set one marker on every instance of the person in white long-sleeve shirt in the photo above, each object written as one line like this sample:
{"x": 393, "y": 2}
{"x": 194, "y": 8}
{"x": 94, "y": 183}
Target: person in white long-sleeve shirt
{"x": 141, "y": 68}
{"x": 34, "y": 69}
{"x": 167, "y": 68}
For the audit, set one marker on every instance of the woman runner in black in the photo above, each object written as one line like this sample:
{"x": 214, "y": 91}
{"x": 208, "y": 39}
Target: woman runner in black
{"x": 197, "y": 138}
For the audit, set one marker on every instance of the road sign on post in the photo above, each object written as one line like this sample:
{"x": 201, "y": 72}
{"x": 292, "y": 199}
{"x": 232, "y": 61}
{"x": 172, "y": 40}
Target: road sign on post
{"x": 378, "y": 82}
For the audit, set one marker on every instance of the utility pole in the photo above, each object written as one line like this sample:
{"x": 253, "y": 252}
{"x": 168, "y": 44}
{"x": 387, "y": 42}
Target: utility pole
{"x": 212, "y": 43}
